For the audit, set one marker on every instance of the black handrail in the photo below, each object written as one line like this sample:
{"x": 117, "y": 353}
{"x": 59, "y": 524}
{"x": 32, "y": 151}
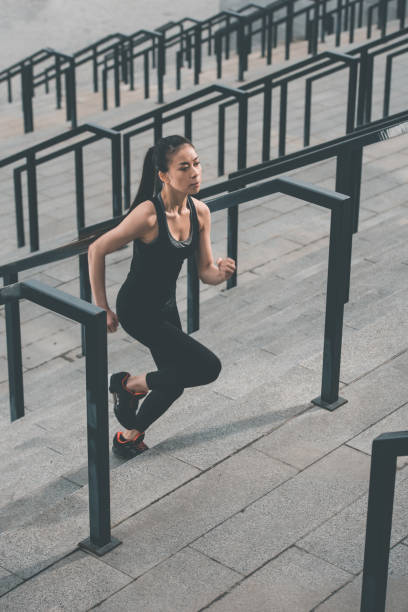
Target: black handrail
{"x": 93, "y": 319}
{"x": 122, "y": 48}
{"x": 341, "y": 230}
{"x": 32, "y": 161}
{"x": 360, "y": 89}
{"x": 385, "y": 450}
{"x": 358, "y": 109}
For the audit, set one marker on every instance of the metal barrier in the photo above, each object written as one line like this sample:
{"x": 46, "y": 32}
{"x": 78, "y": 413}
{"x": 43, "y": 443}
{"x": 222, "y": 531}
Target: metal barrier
{"x": 156, "y": 119}
{"x": 360, "y": 64}
{"x": 215, "y": 33}
{"x": 385, "y": 450}
{"x": 341, "y": 230}
{"x": 32, "y": 162}
{"x": 93, "y": 319}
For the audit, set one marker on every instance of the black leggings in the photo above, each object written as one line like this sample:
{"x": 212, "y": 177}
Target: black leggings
{"x": 181, "y": 360}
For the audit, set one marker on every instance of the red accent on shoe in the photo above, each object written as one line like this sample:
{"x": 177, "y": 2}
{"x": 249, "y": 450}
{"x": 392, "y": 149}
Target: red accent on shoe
{"x": 142, "y": 393}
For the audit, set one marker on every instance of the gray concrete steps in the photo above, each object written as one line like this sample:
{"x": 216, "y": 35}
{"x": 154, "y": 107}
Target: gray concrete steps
{"x": 274, "y": 333}
{"x": 89, "y": 104}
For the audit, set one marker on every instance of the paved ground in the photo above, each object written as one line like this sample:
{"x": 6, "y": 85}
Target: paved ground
{"x": 250, "y": 497}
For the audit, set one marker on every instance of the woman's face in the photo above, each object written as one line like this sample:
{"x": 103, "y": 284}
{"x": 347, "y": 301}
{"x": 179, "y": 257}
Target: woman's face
{"x": 184, "y": 170}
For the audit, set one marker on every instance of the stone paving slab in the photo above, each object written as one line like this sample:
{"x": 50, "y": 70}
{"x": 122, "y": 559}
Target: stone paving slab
{"x": 280, "y": 518}
{"x": 295, "y": 581}
{"x": 340, "y": 540}
{"x": 76, "y": 583}
{"x": 186, "y": 581}
{"x": 166, "y": 527}
{"x": 302, "y": 441}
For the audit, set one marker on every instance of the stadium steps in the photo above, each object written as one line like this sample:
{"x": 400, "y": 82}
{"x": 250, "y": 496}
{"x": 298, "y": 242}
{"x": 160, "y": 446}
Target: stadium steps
{"x": 269, "y": 329}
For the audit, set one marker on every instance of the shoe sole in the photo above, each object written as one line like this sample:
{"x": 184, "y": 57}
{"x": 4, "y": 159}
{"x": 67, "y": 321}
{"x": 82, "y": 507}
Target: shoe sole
{"x": 124, "y": 455}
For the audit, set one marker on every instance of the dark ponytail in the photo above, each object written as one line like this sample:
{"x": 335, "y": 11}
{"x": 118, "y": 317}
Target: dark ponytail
{"x": 157, "y": 158}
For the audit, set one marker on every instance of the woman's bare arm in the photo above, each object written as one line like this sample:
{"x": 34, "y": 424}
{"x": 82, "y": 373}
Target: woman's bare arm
{"x": 135, "y": 225}
{"x": 209, "y": 272}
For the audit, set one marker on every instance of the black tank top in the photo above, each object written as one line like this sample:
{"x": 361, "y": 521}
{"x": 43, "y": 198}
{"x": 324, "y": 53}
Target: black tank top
{"x": 156, "y": 265}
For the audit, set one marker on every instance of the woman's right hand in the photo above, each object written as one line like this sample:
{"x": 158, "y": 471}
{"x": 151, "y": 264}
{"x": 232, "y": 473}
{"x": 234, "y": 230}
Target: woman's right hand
{"x": 112, "y": 321}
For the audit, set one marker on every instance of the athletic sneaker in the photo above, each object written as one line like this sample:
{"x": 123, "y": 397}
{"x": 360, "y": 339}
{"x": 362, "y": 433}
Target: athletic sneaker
{"x": 128, "y": 448}
{"x": 125, "y": 401}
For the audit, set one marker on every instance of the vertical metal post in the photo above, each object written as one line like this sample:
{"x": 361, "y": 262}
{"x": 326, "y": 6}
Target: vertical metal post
{"x": 348, "y": 178}
{"x": 362, "y": 87}
{"x": 116, "y": 175}
{"x": 105, "y": 88}
{"x": 308, "y": 108}
{"x": 146, "y": 74}
{"x": 387, "y": 86}
{"x": 218, "y": 53}
{"x": 269, "y": 39}
{"x": 14, "y": 357}
{"x": 315, "y": 28}
{"x": 369, "y": 88}
{"x": 289, "y": 28}
{"x": 382, "y": 17}
{"x": 79, "y": 187}
{"x": 340, "y": 236}
{"x": 158, "y": 126}
{"x": 267, "y": 121}
{"x": 84, "y": 291}
{"x": 27, "y": 96}
{"x": 73, "y": 100}
{"x": 197, "y": 53}
{"x": 95, "y": 68}
{"x": 232, "y": 245}
{"x": 131, "y": 66}
{"x": 227, "y": 38}
{"x": 263, "y": 35}
{"x": 282, "y": 117}
{"x": 124, "y": 62}
{"x": 18, "y": 202}
{"x": 100, "y": 539}
{"x": 242, "y": 131}
{"x": 352, "y": 22}
{"x": 378, "y": 529}
{"x": 193, "y": 296}
{"x": 126, "y": 169}
{"x": 46, "y": 81}
{"x": 116, "y": 75}
{"x": 338, "y": 23}
{"x": 178, "y": 69}
{"x": 160, "y": 69}
{"x": 58, "y": 89}
{"x": 32, "y": 201}
{"x": 351, "y": 97}
{"x": 188, "y": 129}
{"x": 68, "y": 108}
{"x": 9, "y": 89}
{"x": 221, "y": 139}
{"x": 241, "y": 51}
{"x": 360, "y": 14}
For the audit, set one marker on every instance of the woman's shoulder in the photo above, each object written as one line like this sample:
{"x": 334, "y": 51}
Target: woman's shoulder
{"x": 146, "y": 210}
{"x": 202, "y": 210}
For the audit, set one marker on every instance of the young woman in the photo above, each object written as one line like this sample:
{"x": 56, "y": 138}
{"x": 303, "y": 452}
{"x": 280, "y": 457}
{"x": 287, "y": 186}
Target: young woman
{"x": 165, "y": 229}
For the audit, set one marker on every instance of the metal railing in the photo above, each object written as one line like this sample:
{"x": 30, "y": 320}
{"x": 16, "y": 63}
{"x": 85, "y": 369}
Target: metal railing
{"x": 360, "y": 65}
{"x": 118, "y": 52}
{"x": 385, "y": 450}
{"x": 348, "y": 152}
{"x": 93, "y": 319}
{"x": 32, "y": 162}
{"x": 154, "y": 121}
{"x": 341, "y": 230}
{"x": 360, "y": 94}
